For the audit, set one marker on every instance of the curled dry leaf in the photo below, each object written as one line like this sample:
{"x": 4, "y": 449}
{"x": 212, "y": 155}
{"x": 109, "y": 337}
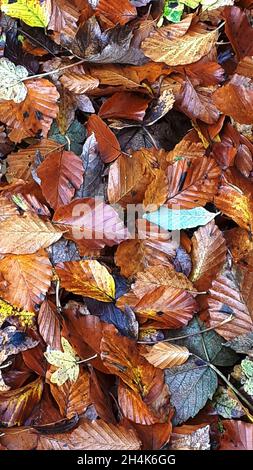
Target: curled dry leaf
{"x": 115, "y": 12}
{"x": 88, "y": 278}
{"x": 124, "y": 105}
{"x": 165, "y": 355}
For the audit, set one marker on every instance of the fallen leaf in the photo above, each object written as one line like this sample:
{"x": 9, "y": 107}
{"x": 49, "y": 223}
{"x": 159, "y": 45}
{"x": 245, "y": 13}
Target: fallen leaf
{"x": 27, "y": 234}
{"x": 88, "y": 278}
{"x": 164, "y": 355}
{"x": 61, "y": 173}
{"x": 66, "y": 361}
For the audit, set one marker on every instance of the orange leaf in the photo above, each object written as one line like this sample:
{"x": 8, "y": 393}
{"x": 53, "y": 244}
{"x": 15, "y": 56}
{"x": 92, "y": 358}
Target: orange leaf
{"x": 28, "y": 279}
{"x": 117, "y": 13}
{"x": 17, "y": 405}
{"x": 208, "y": 255}
{"x": 232, "y": 294}
{"x": 108, "y": 144}
{"x": 61, "y": 173}
{"x": 123, "y": 105}
{"x": 88, "y": 278}
{"x": 121, "y": 357}
{"x": 33, "y": 116}
{"x": 72, "y": 397}
{"x": 238, "y": 435}
{"x": 20, "y": 163}
{"x": 49, "y": 324}
{"x": 235, "y": 99}
{"x": 192, "y": 183}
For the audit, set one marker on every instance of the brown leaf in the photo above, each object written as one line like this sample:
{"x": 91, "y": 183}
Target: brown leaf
{"x": 208, "y": 255}
{"x": 238, "y": 30}
{"x": 27, "y": 234}
{"x": 34, "y": 115}
{"x": 49, "y": 324}
{"x": 164, "y": 355}
{"x": 197, "y": 103}
{"x": 235, "y": 199}
{"x": 192, "y": 183}
{"x": 28, "y": 279}
{"x": 238, "y": 435}
{"x": 121, "y": 357}
{"x": 100, "y": 396}
{"x": 7, "y": 208}
{"x": 78, "y": 82}
{"x": 183, "y": 50}
{"x": 89, "y": 435}
{"x": 63, "y": 18}
{"x": 117, "y": 13}
{"x": 88, "y": 278}
{"x": 231, "y": 294}
{"x": 235, "y": 99}
{"x": 20, "y": 163}
{"x": 134, "y": 408}
{"x": 186, "y": 149}
{"x": 90, "y": 223}
{"x": 61, "y": 173}
{"x": 123, "y": 105}
{"x": 108, "y": 144}
{"x": 128, "y": 179}
{"x": 72, "y": 397}
{"x": 144, "y": 253}
{"x": 16, "y": 405}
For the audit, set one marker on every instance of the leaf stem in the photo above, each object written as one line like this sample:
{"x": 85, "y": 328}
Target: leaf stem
{"x": 223, "y": 322}
{"x": 88, "y": 359}
{"x": 3, "y": 366}
{"x": 218, "y": 372}
{"x": 51, "y": 72}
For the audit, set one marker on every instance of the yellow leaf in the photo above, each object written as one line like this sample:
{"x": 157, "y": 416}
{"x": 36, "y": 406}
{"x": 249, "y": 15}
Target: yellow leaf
{"x": 6, "y": 310}
{"x": 66, "y": 361}
{"x": 88, "y": 278}
{"x": 32, "y": 12}
{"x": 164, "y": 355}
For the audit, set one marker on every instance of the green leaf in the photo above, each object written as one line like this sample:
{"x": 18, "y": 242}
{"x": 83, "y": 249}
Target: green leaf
{"x": 75, "y": 135}
{"x": 209, "y": 345}
{"x": 225, "y": 405}
{"x": 176, "y": 219}
{"x": 173, "y": 11}
{"x": 191, "y": 385}
{"x": 33, "y": 13}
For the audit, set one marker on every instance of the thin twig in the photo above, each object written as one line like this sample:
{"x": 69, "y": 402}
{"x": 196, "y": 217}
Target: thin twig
{"x": 152, "y": 140}
{"x": 57, "y": 295}
{"x": 227, "y": 320}
{"x": 51, "y": 72}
